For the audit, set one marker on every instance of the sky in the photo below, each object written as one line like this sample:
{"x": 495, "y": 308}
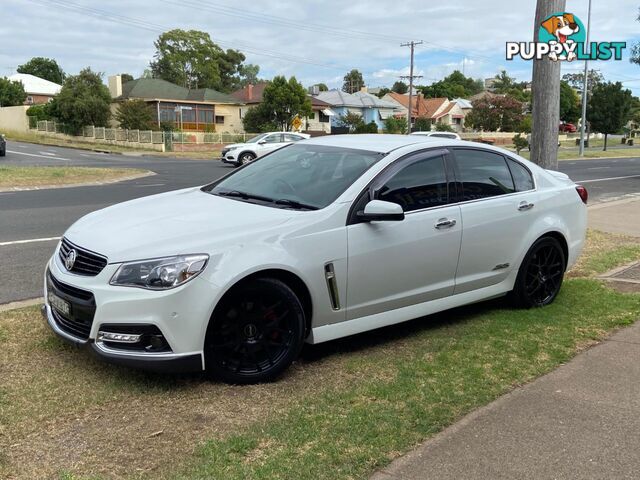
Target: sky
{"x": 315, "y": 40}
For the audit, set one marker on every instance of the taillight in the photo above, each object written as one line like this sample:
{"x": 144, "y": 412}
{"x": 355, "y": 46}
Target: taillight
{"x": 584, "y": 195}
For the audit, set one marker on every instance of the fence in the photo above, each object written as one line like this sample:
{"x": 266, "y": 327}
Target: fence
{"x": 146, "y": 138}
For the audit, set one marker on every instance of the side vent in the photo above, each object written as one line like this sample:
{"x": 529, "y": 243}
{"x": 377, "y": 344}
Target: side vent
{"x": 332, "y": 286}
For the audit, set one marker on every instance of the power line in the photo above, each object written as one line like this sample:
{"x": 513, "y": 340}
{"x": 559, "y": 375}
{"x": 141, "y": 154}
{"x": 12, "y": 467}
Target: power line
{"x": 411, "y": 76}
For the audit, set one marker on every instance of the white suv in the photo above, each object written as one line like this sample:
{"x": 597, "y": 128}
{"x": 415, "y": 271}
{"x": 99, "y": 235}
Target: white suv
{"x": 242, "y": 153}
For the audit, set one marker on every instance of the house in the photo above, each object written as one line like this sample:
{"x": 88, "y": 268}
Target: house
{"x": 438, "y": 110}
{"x": 368, "y": 106}
{"x": 318, "y": 122}
{"x": 38, "y": 89}
{"x": 201, "y": 109}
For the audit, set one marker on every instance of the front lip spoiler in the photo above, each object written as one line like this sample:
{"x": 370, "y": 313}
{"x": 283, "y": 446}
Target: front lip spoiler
{"x": 159, "y": 362}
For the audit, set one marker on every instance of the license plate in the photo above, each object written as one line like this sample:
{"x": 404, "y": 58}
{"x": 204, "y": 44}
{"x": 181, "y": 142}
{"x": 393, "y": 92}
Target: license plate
{"x": 59, "y": 304}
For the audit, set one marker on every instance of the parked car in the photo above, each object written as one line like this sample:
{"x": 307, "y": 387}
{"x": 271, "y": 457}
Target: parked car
{"x": 241, "y": 153}
{"x": 567, "y": 128}
{"x": 450, "y": 135}
{"x": 318, "y": 240}
{"x": 3, "y": 145}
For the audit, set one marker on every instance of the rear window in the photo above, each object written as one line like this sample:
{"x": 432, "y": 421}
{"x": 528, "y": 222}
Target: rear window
{"x": 521, "y": 176}
{"x": 483, "y": 174}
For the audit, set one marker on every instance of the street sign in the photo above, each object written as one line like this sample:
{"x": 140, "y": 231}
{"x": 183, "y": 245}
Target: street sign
{"x": 296, "y": 123}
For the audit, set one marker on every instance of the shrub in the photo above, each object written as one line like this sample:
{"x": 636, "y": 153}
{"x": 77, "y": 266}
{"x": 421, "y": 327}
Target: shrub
{"x": 520, "y": 142}
{"x": 395, "y": 125}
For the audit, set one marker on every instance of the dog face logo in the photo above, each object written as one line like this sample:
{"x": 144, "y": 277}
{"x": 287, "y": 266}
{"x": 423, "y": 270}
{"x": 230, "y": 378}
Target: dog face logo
{"x": 559, "y": 27}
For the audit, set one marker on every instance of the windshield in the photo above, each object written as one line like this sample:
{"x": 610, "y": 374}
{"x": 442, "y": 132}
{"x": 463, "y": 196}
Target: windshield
{"x": 257, "y": 138}
{"x": 298, "y": 176}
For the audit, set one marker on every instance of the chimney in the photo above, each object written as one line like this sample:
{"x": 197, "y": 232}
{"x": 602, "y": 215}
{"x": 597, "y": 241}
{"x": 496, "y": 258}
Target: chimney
{"x": 115, "y": 85}
{"x": 250, "y": 92}
{"x": 364, "y": 89}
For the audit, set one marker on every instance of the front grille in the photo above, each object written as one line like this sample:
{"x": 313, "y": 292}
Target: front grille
{"x": 87, "y": 263}
{"x": 83, "y": 308}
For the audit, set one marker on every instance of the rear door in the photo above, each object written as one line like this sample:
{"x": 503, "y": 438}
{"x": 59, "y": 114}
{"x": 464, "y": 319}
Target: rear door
{"x": 497, "y": 204}
{"x": 393, "y": 264}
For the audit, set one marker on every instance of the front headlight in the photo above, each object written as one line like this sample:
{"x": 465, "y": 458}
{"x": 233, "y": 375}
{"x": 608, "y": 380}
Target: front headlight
{"x": 228, "y": 149}
{"x": 159, "y": 273}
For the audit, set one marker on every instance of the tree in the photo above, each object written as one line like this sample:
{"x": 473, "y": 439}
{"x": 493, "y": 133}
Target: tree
{"x": 282, "y": 101}
{"x": 396, "y": 125}
{"x": 11, "y": 93}
{"x": 126, "y": 77}
{"x": 609, "y": 108}
{"x": 635, "y": 50}
{"x": 444, "y": 127}
{"x": 400, "y": 87}
{"x": 422, "y": 124}
{"x": 42, "y": 67}
{"x": 494, "y": 113}
{"x": 520, "y": 142}
{"x": 456, "y": 85}
{"x": 383, "y": 91}
{"x": 546, "y": 95}
{"x": 134, "y": 115}
{"x": 40, "y": 112}
{"x": 353, "y": 81}
{"x": 248, "y": 74}
{"x": 576, "y": 80}
{"x": 191, "y": 59}
{"x": 352, "y": 121}
{"x": 83, "y": 100}
{"x": 322, "y": 87}
{"x": 503, "y": 82}
{"x": 569, "y": 103}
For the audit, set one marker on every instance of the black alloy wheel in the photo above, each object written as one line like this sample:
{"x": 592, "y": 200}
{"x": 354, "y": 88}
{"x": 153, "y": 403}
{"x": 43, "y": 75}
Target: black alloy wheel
{"x": 540, "y": 275}
{"x": 257, "y": 330}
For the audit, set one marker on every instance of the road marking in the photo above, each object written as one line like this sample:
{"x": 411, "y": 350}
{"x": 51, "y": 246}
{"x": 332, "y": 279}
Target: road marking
{"x": 597, "y": 168}
{"x": 151, "y": 185}
{"x": 51, "y": 154}
{"x": 39, "y": 156}
{"x": 31, "y": 240}
{"x": 607, "y": 179}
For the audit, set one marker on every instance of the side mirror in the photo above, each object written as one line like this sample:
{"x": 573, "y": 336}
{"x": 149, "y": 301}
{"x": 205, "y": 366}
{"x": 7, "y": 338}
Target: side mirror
{"x": 261, "y": 142}
{"x": 381, "y": 211}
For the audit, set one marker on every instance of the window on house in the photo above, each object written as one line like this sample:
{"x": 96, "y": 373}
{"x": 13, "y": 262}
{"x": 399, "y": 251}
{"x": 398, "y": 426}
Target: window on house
{"x": 205, "y": 116}
{"x": 323, "y": 118}
{"x": 219, "y": 119}
{"x": 29, "y": 99}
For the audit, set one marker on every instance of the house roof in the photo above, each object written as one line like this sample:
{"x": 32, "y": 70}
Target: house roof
{"x": 421, "y": 107}
{"x": 155, "y": 88}
{"x": 250, "y": 93}
{"x": 463, "y": 102}
{"x": 36, "y": 85}
{"x": 338, "y": 98}
{"x": 448, "y": 108}
{"x": 484, "y": 94}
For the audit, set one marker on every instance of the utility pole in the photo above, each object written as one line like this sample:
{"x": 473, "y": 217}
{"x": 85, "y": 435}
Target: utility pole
{"x": 546, "y": 96}
{"x": 585, "y": 85}
{"x": 411, "y": 76}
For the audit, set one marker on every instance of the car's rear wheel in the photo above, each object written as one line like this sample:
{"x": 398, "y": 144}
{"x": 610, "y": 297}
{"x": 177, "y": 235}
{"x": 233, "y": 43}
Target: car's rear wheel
{"x": 246, "y": 157}
{"x": 3, "y": 153}
{"x": 540, "y": 275}
{"x": 257, "y": 330}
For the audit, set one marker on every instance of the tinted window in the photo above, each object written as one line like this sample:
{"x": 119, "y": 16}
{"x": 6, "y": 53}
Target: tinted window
{"x": 291, "y": 138}
{"x": 444, "y": 135}
{"x": 521, "y": 176}
{"x": 483, "y": 174}
{"x": 422, "y": 184}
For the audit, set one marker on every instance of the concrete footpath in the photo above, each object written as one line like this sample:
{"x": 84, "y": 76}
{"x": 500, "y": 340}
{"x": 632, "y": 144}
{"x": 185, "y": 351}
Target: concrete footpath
{"x": 580, "y": 421}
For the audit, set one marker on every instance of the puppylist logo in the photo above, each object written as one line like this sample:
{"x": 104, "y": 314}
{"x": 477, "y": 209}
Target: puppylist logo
{"x": 562, "y": 36}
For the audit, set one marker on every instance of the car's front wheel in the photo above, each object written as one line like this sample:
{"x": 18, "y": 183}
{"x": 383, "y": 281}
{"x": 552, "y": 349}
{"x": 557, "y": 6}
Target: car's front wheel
{"x": 246, "y": 157}
{"x": 256, "y": 331}
{"x": 540, "y": 275}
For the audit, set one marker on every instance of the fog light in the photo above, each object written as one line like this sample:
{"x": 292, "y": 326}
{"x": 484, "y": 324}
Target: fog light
{"x": 118, "y": 337}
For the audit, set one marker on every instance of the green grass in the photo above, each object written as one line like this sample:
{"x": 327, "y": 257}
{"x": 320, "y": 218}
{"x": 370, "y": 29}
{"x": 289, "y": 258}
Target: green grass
{"x": 605, "y": 261}
{"x": 71, "y": 142}
{"x": 14, "y": 176}
{"x": 591, "y": 153}
{"x": 448, "y": 366}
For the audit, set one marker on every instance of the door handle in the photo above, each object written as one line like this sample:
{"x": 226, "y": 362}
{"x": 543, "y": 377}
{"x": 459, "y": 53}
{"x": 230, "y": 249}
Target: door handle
{"x": 525, "y": 206}
{"x": 444, "y": 223}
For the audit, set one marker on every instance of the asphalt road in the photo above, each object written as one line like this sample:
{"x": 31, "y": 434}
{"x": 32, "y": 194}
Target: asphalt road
{"x": 45, "y": 214}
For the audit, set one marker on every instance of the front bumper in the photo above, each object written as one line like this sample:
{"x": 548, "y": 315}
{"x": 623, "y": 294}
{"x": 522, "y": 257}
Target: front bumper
{"x": 180, "y": 315}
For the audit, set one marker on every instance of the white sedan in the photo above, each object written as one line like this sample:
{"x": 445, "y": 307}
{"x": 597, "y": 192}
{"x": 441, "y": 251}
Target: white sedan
{"x": 318, "y": 240}
{"x": 242, "y": 153}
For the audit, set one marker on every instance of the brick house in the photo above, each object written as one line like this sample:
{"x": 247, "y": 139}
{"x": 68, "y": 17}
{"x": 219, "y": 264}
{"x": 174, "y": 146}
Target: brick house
{"x": 38, "y": 89}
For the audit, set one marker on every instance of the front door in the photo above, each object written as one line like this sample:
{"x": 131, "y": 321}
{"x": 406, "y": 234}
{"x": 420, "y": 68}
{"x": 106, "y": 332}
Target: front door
{"x": 270, "y": 143}
{"x": 394, "y": 264}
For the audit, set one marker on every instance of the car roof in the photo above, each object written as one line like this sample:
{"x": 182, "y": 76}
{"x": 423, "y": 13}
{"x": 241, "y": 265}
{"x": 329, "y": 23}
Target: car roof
{"x": 376, "y": 142}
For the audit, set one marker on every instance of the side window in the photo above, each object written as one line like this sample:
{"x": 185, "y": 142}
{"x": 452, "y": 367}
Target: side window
{"x": 291, "y": 138}
{"x": 275, "y": 138}
{"x": 521, "y": 176}
{"x": 422, "y": 184}
{"x": 483, "y": 174}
